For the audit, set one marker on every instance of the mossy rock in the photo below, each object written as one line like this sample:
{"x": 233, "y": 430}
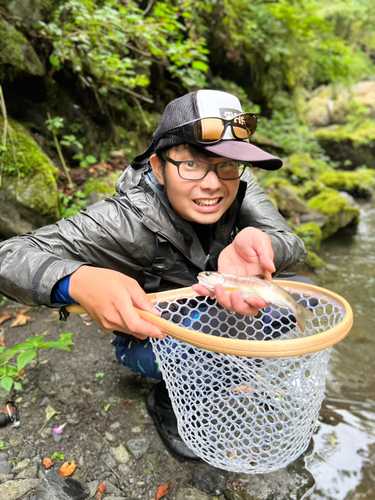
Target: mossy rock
{"x": 359, "y": 183}
{"x": 29, "y": 12}
{"x": 313, "y": 261}
{"x": 28, "y": 193}
{"x": 312, "y": 188}
{"x": 17, "y": 56}
{"x": 311, "y": 234}
{"x": 289, "y": 203}
{"x": 351, "y": 146}
{"x": 336, "y": 207}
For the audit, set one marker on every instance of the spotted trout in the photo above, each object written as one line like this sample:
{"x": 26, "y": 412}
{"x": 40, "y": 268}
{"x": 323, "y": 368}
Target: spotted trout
{"x": 255, "y": 286}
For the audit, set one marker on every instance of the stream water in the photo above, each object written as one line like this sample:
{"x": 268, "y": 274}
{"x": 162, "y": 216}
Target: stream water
{"x": 343, "y": 457}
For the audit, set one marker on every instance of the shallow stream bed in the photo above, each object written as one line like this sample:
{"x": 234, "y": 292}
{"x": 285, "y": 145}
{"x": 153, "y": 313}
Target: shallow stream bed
{"x": 343, "y": 457}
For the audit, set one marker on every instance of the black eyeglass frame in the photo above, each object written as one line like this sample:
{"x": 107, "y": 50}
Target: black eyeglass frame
{"x": 215, "y": 168}
{"x": 186, "y": 131}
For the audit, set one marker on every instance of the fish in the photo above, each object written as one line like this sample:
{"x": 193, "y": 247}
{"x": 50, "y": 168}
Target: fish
{"x": 249, "y": 286}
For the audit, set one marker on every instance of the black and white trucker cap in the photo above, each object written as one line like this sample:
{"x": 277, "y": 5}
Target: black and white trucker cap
{"x": 209, "y": 104}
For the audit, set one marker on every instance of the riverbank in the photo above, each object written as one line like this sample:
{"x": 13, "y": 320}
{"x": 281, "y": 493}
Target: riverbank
{"x": 108, "y": 432}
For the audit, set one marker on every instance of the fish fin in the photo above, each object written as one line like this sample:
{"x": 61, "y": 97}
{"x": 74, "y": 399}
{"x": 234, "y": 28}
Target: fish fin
{"x": 302, "y": 315}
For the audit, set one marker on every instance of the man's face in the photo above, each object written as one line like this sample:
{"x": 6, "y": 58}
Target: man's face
{"x": 203, "y": 201}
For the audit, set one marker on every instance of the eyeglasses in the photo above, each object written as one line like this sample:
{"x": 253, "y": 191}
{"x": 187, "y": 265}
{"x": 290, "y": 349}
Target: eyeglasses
{"x": 191, "y": 170}
{"x": 211, "y": 130}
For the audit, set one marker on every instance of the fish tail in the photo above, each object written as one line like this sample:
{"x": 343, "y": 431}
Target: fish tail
{"x": 302, "y": 315}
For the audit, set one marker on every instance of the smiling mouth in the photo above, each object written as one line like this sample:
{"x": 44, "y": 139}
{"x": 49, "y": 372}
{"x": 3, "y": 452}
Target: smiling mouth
{"x": 207, "y": 202}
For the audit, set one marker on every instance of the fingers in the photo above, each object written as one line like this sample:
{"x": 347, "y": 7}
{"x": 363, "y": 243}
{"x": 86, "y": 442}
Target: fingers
{"x": 202, "y": 290}
{"x": 234, "y": 302}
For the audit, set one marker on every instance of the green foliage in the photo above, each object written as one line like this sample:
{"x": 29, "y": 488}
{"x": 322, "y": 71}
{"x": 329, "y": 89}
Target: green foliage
{"x": 112, "y": 45}
{"x": 57, "y": 455}
{"x": 11, "y": 374}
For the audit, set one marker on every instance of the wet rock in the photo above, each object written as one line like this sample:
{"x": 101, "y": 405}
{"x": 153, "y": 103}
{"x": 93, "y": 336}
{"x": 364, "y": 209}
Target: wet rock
{"x": 46, "y": 433}
{"x": 115, "y": 426}
{"x": 138, "y": 447}
{"x": 30, "y": 473}
{"x": 22, "y": 465}
{"x": 54, "y": 487}
{"x": 209, "y": 479}
{"x": 5, "y": 477}
{"x": 191, "y": 494}
{"x": 120, "y": 454}
{"x": 293, "y": 481}
{"x": 124, "y": 469}
{"x": 5, "y": 467}
{"x": 13, "y": 490}
{"x": 110, "y": 461}
{"x": 93, "y": 488}
{"x": 110, "y": 437}
{"x": 45, "y": 402}
{"x": 112, "y": 489}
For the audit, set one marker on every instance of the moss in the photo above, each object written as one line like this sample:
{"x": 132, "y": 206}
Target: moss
{"x": 28, "y": 175}
{"x": 360, "y": 135}
{"x": 313, "y": 261}
{"x": 17, "y": 55}
{"x": 311, "y": 188}
{"x": 105, "y": 185}
{"x": 311, "y": 234}
{"x": 336, "y": 207}
{"x": 358, "y": 183}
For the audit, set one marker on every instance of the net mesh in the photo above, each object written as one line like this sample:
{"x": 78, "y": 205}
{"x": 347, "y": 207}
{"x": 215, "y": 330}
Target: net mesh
{"x": 250, "y": 415}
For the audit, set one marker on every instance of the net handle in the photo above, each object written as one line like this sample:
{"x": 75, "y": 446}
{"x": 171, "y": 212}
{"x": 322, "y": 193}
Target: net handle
{"x": 250, "y": 348}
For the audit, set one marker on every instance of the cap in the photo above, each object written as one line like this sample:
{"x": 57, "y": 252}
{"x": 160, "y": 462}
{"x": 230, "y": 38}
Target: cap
{"x": 208, "y": 104}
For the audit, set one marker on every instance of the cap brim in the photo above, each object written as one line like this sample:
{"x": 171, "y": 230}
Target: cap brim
{"x": 244, "y": 151}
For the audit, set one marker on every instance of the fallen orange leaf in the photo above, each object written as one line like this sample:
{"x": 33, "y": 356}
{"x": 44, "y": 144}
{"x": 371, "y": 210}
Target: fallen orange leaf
{"x": 21, "y": 311}
{"x": 47, "y": 463}
{"x": 5, "y": 316}
{"x": 162, "y": 491}
{"x": 102, "y": 487}
{"x": 2, "y": 340}
{"x": 21, "y": 320}
{"x": 128, "y": 401}
{"x": 67, "y": 469}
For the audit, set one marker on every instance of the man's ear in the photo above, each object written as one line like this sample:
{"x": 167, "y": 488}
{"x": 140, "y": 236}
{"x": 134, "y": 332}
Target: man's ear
{"x": 157, "y": 168}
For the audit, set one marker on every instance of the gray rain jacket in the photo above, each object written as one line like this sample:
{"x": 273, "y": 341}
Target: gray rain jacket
{"x": 120, "y": 233}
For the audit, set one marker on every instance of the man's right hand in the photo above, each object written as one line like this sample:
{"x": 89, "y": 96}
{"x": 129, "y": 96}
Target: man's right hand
{"x": 109, "y": 298}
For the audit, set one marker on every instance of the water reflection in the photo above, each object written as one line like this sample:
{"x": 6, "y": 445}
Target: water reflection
{"x": 343, "y": 459}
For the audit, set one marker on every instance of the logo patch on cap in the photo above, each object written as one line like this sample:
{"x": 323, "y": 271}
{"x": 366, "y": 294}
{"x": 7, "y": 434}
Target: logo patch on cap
{"x": 228, "y": 113}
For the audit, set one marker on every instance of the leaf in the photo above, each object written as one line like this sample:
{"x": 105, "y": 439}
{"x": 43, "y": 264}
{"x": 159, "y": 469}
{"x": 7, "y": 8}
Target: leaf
{"x": 24, "y": 358}
{"x": 162, "y": 491}
{"x": 21, "y": 320}
{"x": 47, "y": 463}
{"x": 107, "y": 407}
{"x": 50, "y": 412}
{"x": 102, "y": 487}
{"x": 2, "y": 339}
{"x": 6, "y": 383}
{"x": 128, "y": 401}
{"x": 5, "y": 316}
{"x": 67, "y": 469}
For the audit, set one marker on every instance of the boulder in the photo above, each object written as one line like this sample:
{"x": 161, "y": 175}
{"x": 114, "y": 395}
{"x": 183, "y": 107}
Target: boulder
{"x": 336, "y": 208}
{"x": 17, "y": 56}
{"x": 28, "y": 189}
{"x": 29, "y": 12}
{"x": 332, "y": 104}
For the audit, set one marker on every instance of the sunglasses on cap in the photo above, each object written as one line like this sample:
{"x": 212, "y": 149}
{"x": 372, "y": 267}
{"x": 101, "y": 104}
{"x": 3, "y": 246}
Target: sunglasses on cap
{"x": 211, "y": 130}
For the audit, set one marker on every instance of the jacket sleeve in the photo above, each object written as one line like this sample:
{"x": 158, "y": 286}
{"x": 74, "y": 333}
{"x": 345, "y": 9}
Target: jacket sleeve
{"x": 102, "y": 236}
{"x": 258, "y": 211}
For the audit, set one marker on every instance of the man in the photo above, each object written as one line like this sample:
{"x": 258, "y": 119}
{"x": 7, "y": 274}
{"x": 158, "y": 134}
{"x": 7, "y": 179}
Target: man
{"x": 187, "y": 204}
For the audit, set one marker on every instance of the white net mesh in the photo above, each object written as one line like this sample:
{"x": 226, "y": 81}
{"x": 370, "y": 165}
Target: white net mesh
{"x": 242, "y": 414}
